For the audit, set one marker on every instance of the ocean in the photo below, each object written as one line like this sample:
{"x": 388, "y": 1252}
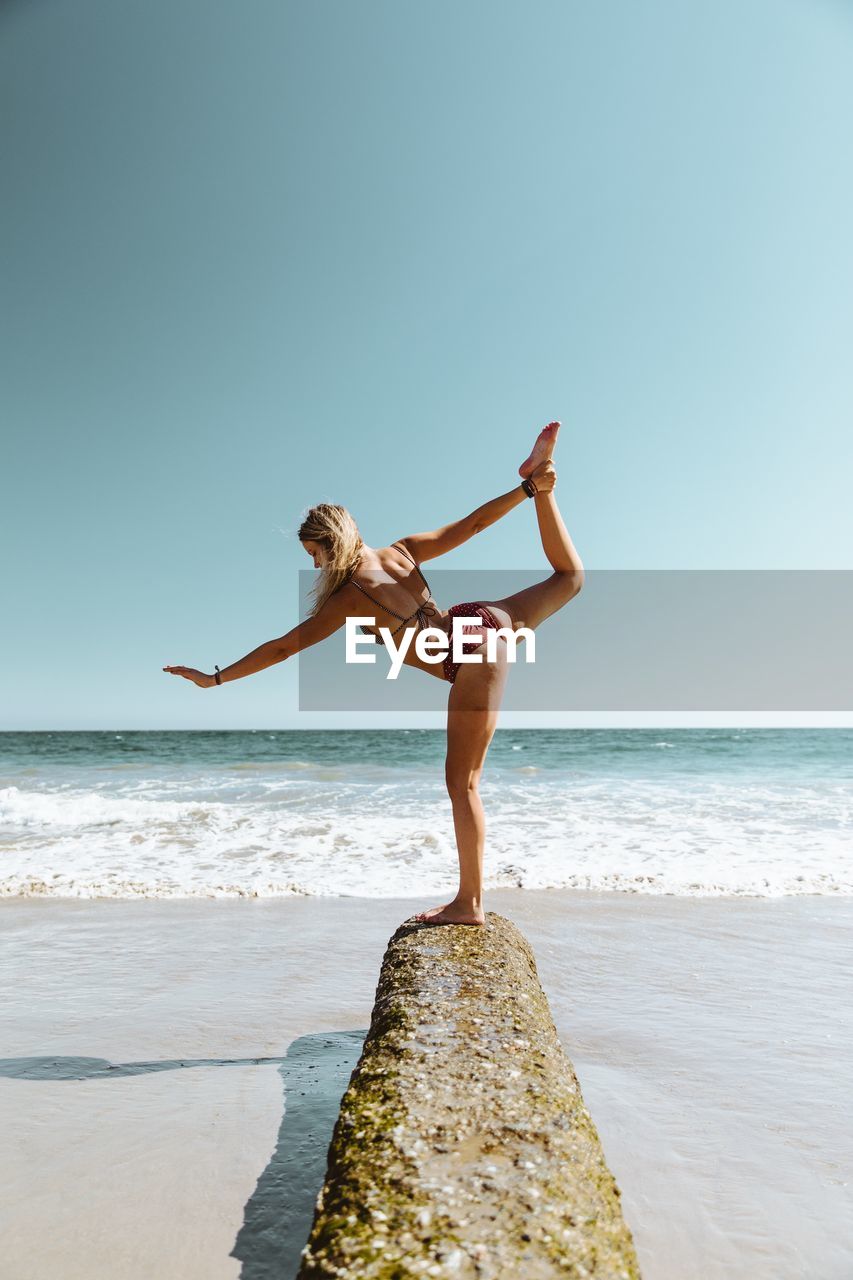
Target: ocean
{"x": 691, "y": 812}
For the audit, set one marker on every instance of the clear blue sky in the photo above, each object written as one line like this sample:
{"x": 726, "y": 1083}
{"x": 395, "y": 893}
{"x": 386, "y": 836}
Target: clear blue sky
{"x": 260, "y": 256}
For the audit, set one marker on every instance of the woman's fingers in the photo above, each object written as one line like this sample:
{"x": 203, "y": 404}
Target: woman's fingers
{"x": 199, "y": 678}
{"x": 544, "y": 476}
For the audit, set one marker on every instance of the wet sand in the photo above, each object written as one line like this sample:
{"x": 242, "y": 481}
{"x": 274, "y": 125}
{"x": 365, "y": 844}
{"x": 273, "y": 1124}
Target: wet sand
{"x": 712, "y": 1038}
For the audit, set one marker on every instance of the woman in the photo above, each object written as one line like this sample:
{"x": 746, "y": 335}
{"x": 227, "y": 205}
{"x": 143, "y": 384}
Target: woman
{"x": 330, "y": 536}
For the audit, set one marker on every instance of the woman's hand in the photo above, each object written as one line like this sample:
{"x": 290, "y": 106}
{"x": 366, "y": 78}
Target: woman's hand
{"x": 544, "y": 477}
{"x": 200, "y": 678}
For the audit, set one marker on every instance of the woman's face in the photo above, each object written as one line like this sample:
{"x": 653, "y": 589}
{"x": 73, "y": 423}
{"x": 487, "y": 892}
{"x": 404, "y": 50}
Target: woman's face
{"x": 316, "y": 552}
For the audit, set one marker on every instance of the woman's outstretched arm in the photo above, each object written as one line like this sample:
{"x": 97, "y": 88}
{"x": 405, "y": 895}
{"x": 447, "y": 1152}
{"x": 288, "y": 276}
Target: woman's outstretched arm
{"x": 426, "y": 546}
{"x": 328, "y": 620}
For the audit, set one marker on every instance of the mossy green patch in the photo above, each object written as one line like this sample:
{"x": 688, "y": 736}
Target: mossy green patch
{"x": 463, "y": 1146}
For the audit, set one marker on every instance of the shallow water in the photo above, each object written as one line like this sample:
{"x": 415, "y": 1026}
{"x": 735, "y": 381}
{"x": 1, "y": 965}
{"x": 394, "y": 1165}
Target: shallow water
{"x": 692, "y": 812}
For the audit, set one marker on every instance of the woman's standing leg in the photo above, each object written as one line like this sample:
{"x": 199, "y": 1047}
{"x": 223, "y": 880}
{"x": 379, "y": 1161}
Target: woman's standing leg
{"x": 472, "y": 717}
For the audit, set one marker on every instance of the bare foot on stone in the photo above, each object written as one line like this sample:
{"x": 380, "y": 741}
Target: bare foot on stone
{"x": 433, "y": 911}
{"x": 541, "y": 451}
{"x": 451, "y": 913}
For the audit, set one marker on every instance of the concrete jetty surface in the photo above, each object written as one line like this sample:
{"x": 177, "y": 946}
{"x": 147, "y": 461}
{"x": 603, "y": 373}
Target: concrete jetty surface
{"x": 463, "y": 1147}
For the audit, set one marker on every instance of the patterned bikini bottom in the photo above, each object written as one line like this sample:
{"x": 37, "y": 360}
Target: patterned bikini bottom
{"x": 469, "y": 610}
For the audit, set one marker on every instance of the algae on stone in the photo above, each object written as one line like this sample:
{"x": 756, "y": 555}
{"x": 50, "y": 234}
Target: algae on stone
{"x": 463, "y": 1147}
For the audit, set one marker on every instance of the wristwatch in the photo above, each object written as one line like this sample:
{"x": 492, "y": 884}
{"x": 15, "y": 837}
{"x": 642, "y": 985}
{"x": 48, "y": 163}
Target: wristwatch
{"x": 529, "y": 488}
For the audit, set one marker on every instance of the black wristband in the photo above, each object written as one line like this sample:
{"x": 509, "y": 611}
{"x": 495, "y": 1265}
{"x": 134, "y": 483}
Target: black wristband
{"x": 217, "y": 677}
{"x": 529, "y": 487}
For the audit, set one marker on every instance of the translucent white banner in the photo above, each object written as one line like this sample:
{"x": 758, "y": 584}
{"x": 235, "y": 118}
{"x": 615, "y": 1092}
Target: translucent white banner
{"x": 632, "y": 640}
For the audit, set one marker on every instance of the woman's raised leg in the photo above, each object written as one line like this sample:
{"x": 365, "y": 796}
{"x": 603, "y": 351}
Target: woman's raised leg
{"x": 532, "y": 605}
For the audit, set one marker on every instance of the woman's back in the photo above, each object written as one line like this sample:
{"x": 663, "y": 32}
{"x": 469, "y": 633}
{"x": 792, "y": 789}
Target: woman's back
{"x": 409, "y": 603}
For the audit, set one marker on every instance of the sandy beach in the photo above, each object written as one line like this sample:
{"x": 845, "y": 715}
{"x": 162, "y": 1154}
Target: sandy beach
{"x": 172, "y": 1070}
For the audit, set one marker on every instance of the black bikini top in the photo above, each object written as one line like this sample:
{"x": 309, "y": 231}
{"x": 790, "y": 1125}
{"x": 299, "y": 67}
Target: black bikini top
{"x": 421, "y": 613}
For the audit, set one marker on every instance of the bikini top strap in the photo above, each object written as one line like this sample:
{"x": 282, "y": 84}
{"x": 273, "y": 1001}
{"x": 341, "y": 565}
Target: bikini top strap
{"x": 381, "y": 605}
{"x": 406, "y": 553}
{"x": 370, "y": 597}
{"x": 414, "y": 562}
{"x": 353, "y": 583}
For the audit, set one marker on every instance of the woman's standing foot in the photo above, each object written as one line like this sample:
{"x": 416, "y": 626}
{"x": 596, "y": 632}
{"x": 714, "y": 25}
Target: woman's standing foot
{"x": 452, "y": 913}
{"x": 542, "y": 449}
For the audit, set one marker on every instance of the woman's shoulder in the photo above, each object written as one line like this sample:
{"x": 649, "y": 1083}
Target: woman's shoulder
{"x": 402, "y": 549}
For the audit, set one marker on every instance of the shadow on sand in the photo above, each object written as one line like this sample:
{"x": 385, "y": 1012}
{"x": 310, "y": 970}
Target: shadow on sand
{"x": 277, "y": 1217}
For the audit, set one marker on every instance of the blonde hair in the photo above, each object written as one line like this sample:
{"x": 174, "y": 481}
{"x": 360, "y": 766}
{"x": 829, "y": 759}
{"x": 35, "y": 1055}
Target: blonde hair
{"x": 336, "y": 531}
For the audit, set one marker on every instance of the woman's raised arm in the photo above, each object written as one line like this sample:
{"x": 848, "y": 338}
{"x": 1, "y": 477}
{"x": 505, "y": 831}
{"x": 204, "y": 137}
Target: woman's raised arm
{"x": 426, "y": 546}
{"x": 324, "y": 623}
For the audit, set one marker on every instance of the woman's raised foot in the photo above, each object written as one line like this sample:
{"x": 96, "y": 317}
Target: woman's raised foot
{"x": 541, "y": 451}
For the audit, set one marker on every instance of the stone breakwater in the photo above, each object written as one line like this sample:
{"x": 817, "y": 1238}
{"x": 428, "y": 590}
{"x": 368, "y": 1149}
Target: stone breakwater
{"x": 463, "y": 1147}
